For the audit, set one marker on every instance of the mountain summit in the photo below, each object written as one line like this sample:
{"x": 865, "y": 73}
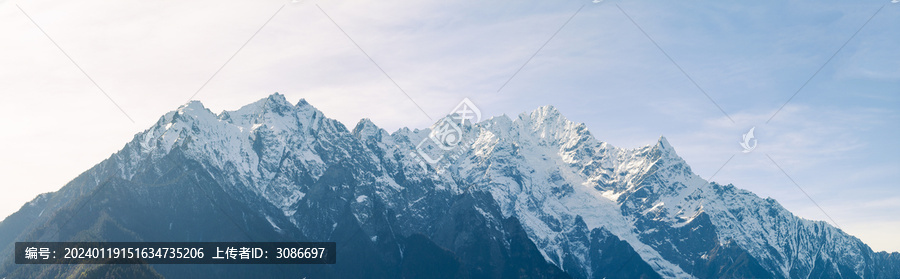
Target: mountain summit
{"x": 534, "y": 196}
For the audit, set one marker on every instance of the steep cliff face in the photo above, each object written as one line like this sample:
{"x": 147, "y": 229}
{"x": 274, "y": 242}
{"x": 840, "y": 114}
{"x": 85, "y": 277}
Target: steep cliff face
{"x": 534, "y": 196}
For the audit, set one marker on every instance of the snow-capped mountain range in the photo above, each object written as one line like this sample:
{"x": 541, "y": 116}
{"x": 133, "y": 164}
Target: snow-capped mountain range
{"x": 587, "y": 209}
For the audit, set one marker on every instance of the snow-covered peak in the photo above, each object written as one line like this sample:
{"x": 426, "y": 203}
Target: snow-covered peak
{"x": 551, "y": 127}
{"x": 663, "y": 149}
{"x": 191, "y": 105}
{"x": 366, "y": 129}
{"x": 549, "y": 172}
{"x": 277, "y": 103}
{"x": 544, "y": 117}
{"x": 663, "y": 144}
{"x": 278, "y": 98}
{"x": 252, "y": 113}
{"x": 303, "y": 102}
{"x": 195, "y": 109}
{"x": 547, "y": 112}
{"x": 540, "y": 167}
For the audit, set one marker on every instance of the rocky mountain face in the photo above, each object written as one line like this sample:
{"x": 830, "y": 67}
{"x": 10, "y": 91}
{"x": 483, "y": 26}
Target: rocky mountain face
{"x": 536, "y": 196}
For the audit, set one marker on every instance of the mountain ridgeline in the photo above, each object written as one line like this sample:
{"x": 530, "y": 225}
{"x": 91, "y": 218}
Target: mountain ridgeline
{"x": 536, "y": 196}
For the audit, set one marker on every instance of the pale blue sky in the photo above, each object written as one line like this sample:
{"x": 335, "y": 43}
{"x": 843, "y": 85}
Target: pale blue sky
{"x": 836, "y": 138}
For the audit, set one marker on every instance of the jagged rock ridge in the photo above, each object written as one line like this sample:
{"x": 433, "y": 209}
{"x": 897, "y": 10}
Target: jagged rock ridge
{"x": 534, "y": 196}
